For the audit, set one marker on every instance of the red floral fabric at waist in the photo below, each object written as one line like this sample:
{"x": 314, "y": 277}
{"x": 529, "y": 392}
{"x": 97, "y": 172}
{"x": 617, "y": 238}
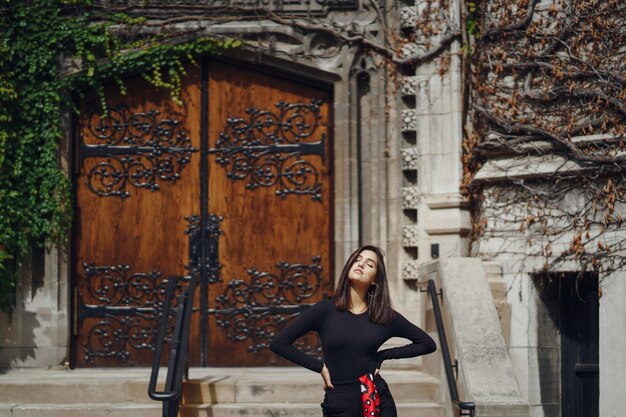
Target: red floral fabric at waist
{"x": 369, "y": 396}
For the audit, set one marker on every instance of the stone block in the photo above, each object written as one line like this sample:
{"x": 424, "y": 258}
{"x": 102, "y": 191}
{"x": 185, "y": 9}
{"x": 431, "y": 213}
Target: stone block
{"x": 525, "y": 167}
{"x": 410, "y": 236}
{"x": 446, "y": 222}
{"x": 410, "y": 158}
{"x": 408, "y": 86}
{"x": 410, "y": 270}
{"x": 408, "y": 17}
{"x": 411, "y": 49}
{"x": 408, "y": 121}
{"x": 410, "y": 198}
{"x": 480, "y": 346}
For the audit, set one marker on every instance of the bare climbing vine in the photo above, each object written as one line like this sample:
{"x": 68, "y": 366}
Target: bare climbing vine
{"x": 547, "y": 92}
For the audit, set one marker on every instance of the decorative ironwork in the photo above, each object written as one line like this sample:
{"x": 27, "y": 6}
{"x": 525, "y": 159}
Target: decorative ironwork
{"x": 210, "y": 241}
{"x": 112, "y": 285}
{"x": 129, "y": 305}
{"x": 255, "y": 310}
{"x": 133, "y": 148}
{"x": 266, "y": 148}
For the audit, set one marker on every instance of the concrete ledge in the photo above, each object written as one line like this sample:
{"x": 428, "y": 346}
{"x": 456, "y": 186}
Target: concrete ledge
{"x": 525, "y": 167}
{"x": 486, "y": 372}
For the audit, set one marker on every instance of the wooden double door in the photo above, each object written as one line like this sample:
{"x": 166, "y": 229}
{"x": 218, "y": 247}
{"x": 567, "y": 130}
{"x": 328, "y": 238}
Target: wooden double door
{"x": 246, "y": 158}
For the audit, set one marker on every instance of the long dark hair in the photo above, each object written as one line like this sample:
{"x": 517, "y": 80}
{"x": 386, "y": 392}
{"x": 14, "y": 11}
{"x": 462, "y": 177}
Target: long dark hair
{"x": 379, "y": 307}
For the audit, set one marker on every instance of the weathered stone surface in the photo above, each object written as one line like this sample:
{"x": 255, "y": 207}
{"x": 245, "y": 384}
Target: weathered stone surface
{"x": 410, "y": 236}
{"x": 408, "y": 16}
{"x": 410, "y": 198}
{"x": 410, "y": 158}
{"x": 446, "y": 221}
{"x": 296, "y": 410}
{"x": 480, "y": 346}
{"x": 410, "y": 270}
{"x": 287, "y": 391}
{"x": 530, "y": 166}
{"x": 612, "y": 360}
{"x": 88, "y": 410}
{"x": 409, "y": 123}
{"x": 408, "y": 86}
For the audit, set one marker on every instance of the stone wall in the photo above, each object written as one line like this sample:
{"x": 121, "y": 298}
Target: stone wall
{"x": 436, "y": 217}
{"x": 37, "y": 333}
{"x": 534, "y": 344}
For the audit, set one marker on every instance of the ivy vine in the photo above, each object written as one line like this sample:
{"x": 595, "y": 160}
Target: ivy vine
{"x": 35, "y": 192}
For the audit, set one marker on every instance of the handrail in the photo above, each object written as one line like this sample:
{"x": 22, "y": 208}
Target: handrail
{"x": 179, "y": 342}
{"x": 465, "y": 408}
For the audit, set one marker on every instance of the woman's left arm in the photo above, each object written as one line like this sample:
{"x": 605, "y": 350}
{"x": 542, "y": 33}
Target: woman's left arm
{"x": 422, "y": 343}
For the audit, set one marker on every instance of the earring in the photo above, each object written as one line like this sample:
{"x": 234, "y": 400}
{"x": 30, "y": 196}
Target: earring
{"x": 375, "y": 293}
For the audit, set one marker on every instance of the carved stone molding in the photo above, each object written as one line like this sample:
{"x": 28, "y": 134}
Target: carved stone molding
{"x": 410, "y": 198}
{"x": 410, "y": 158}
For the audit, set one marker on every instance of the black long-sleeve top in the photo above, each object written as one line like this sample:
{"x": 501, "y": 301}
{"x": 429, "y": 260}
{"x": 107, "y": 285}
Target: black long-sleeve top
{"x": 350, "y": 342}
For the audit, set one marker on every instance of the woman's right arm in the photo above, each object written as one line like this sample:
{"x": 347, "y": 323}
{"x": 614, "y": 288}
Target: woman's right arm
{"x": 310, "y": 320}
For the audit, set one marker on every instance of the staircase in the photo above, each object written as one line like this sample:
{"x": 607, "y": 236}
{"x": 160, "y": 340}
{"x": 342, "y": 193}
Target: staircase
{"x": 292, "y": 392}
{"x": 215, "y": 392}
{"x": 79, "y": 393}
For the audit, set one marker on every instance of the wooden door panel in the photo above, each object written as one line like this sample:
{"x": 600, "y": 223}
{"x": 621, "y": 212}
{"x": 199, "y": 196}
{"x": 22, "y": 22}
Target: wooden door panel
{"x": 268, "y": 180}
{"x": 268, "y": 217}
{"x": 130, "y": 218}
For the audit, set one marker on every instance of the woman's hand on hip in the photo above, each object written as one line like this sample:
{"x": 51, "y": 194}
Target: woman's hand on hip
{"x": 326, "y": 377}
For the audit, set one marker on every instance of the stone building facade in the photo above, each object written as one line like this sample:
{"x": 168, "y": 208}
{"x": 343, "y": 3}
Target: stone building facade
{"x": 397, "y": 172}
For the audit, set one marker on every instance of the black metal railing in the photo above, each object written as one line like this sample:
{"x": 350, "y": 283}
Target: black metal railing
{"x": 464, "y": 408}
{"x": 178, "y": 342}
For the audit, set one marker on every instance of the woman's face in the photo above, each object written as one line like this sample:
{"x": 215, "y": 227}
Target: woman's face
{"x": 363, "y": 270}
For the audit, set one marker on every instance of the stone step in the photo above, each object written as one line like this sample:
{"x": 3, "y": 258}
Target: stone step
{"x": 287, "y": 391}
{"x": 114, "y": 409}
{"x": 76, "y": 386}
{"x": 289, "y": 385}
{"x": 281, "y": 409}
{"x": 422, "y": 409}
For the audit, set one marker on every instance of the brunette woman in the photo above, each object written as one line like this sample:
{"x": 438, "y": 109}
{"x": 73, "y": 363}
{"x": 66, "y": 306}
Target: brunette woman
{"x": 352, "y": 326}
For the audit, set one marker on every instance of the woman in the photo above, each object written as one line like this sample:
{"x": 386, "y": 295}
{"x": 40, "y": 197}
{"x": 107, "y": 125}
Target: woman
{"x": 352, "y": 327}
